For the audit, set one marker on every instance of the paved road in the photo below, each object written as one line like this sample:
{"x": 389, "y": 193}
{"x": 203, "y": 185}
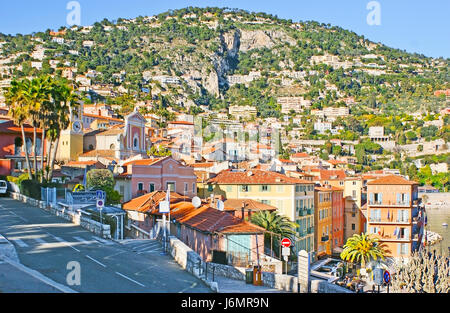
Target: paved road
{"x": 47, "y": 244}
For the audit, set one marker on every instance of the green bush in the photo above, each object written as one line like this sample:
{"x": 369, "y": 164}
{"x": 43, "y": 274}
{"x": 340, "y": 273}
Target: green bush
{"x": 111, "y": 221}
{"x": 31, "y": 188}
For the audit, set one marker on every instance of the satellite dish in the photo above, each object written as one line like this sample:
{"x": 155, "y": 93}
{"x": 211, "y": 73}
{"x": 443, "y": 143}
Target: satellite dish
{"x": 120, "y": 170}
{"x": 196, "y": 202}
{"x": 220, "y": 205}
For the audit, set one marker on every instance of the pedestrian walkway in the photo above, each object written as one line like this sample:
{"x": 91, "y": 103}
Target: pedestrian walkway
{"x": 229, "y": 285}
{"x": 143, "y": 246}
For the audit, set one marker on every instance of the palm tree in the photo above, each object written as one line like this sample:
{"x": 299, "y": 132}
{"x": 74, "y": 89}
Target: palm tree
{"x": 65, "y": 102}
{"x": 274, "y": 223}
{"x": 363, "y": 248}
{"x": 18, "y": 110}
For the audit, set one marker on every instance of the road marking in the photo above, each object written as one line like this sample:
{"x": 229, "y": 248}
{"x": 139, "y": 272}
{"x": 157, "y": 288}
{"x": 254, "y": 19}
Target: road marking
{"x": 190, "y": 287}
{"x": 66, "y": 243}
{"x": 129, "y": 279}
{"x": 81, "y": 240}
{"x": 149, "y": 251}
{"x": 39, "y": 240}
{"x": 106, "y": 242}
{"x": 95, "y": 261}
{"x": 41, "y": 277}
{"x": 18, "y": 216}
{"x": 20, "y": 243}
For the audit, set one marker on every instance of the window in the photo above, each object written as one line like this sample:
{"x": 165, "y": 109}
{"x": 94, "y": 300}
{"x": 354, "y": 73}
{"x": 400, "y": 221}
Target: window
{"x": 280, "y": 188}
{"x": 112, "y": 147}
{"x": 193, "y": 187}
{"x": 151, "y": 187}
{"x": 171, "y": 185}
{"x": 140, "y": 186}
{"x": 353, "y": 227}
{"x": 135, "y": 143}
{"x": 210, "y": 188}
{"x": 354, "y": 193}
{"x": 244, "y": 188}
{"x": 185, "y": 187}
{"x": 264, "y": 188}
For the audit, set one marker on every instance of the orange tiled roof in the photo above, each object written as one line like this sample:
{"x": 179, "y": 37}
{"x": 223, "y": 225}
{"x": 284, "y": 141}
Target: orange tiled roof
{"x": 147, "y": 162}
{"x": 300, "y": 155}
{"x": 332, "y": 174}
{"x": 99, "y": 153}
{"x": 255, "y": 177}
{"x": 150, "y": 201}
{"x": 201, "y": 165}
{"x": 236, "y": 204}
{"x": 392, "y": 180}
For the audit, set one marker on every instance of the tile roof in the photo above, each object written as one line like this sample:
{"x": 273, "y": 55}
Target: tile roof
{"x": 332, "y": 174}
{"x": 254, "y": 177}
{"x": 147, "y": 162}
{"x": 300, "y": 155}
{"x": 201, "y": 165}
{"x": 236, "y": 204}
{"x": 9, "y": 127}
{"x": 150, "y": 201}
{"x": 99, "y": 153}
{"x": 392, "y": 180}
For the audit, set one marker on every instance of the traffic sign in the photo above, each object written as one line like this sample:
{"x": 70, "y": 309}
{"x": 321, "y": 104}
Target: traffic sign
{"x": 387, "y": 277}
{"x": 100, "y": 203}
{"x": 286, "y": 251}
{"x": 164, "y": 207}
{"x": 286, "y": 242}
{"x": 101, "y": 195}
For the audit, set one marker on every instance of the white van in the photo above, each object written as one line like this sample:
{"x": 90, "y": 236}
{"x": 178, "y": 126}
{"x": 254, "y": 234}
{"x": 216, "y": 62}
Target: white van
{"x": 3, "y": 187}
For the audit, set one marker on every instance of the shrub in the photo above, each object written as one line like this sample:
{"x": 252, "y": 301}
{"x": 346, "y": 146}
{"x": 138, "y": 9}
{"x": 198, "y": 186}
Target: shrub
{"x": 31, "y": 188}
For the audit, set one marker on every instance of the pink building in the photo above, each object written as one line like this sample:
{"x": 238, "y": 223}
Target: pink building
{"x": 156, "y": 174}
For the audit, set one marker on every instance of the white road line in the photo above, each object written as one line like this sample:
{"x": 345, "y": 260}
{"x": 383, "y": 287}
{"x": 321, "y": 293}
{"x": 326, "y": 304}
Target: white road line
{"x": 18, "y": 216}
{"x": 66, "y": 243}
{"x": 81, "y": 240}
{"x": 39, "y": 240}
{"x": 106, "y": 242}
{"x": 129, "y": 279}
{"x": 20, "y": 243}
{"x": 95, "y": 260}
{"x": 149, "y": 250}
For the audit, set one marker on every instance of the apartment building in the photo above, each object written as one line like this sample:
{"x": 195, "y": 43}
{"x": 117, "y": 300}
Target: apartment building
{"x": 322, "y": 221}
{"x": 293, "y": 197}
{"x": 395, "y": 215}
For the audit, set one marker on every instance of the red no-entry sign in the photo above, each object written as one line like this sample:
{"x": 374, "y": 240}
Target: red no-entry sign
{"x": 286, "y": 242}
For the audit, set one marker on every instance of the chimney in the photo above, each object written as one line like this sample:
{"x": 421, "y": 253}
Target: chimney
{"x": 243, "y": 210}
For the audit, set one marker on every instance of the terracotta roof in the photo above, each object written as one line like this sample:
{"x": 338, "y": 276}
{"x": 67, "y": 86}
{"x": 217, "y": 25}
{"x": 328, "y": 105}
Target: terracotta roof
{"x": 181, "y": 123}
{"x": 147, "y": 162}
{"x": 332, "y": 174}
{"x": 392, "y": 180}
{"x": 300, "y": 155}
{"x": 254, "y": 177}
{"x": 9, "y": 127}
{"x": 197, "y": 165}
{"x": 82, "y": 163}
{"x": 150, "y": 201}
{"x": 103, "y": 117}
{"x": 112, "y": 132}
{"x": 99, "y": 153}
{"x": 236, "y": 204}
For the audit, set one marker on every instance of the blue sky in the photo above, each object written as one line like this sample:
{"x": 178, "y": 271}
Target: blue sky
{"x": 413, "y": 25}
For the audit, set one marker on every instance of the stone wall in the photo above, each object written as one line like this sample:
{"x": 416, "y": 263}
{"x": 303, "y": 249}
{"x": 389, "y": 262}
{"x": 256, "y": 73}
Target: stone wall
{"x": 322, "y": 286}
{"x": 7, "y": 250}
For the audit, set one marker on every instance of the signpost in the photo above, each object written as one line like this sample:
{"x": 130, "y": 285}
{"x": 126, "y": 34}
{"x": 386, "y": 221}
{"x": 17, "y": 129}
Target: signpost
{"x": 387, "y": 279}
{"x": 286, "y": 243}
{"x": 101, "y": 196}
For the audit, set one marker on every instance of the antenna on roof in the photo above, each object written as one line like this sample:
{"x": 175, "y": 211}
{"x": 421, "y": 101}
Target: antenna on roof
{"x": 196, "y": 202}
{"x": 220, "y": 205}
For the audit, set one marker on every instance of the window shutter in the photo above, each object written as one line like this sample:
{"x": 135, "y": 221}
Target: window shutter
{"x": 380, "y": 197}
{"x": 371, "y": 198}
{"x": 407, "y": 233}
{"x": 399, "y": 198}
{"x": 407, "y": 198}
{"x": 399, "y": 249}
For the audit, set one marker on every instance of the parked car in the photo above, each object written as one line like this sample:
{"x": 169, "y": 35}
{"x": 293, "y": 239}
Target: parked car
{"x": 3, "y": 187}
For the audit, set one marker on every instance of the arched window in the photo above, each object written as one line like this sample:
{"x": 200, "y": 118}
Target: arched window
{"x": 136, "y": 142}
{"x": 112, "y": 147}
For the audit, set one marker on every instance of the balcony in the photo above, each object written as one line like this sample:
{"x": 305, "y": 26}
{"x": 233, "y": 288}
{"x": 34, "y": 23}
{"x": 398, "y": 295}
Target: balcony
{"x": 387, "y": 222}
{"x": 389, "y": 204}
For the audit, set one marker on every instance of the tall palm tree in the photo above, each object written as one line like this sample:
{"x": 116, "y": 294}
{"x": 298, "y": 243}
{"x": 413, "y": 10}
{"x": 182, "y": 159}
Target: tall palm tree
{"x": 65, "y": 103}
{"x": 37, "y": 95}
{"x": 363, "y": 248}
{"x": 18, "y": 109}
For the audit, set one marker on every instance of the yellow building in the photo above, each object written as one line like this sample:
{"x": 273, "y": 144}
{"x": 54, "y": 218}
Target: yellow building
{"x": 293, "y": 197}
{"x": 71, "y": 140}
